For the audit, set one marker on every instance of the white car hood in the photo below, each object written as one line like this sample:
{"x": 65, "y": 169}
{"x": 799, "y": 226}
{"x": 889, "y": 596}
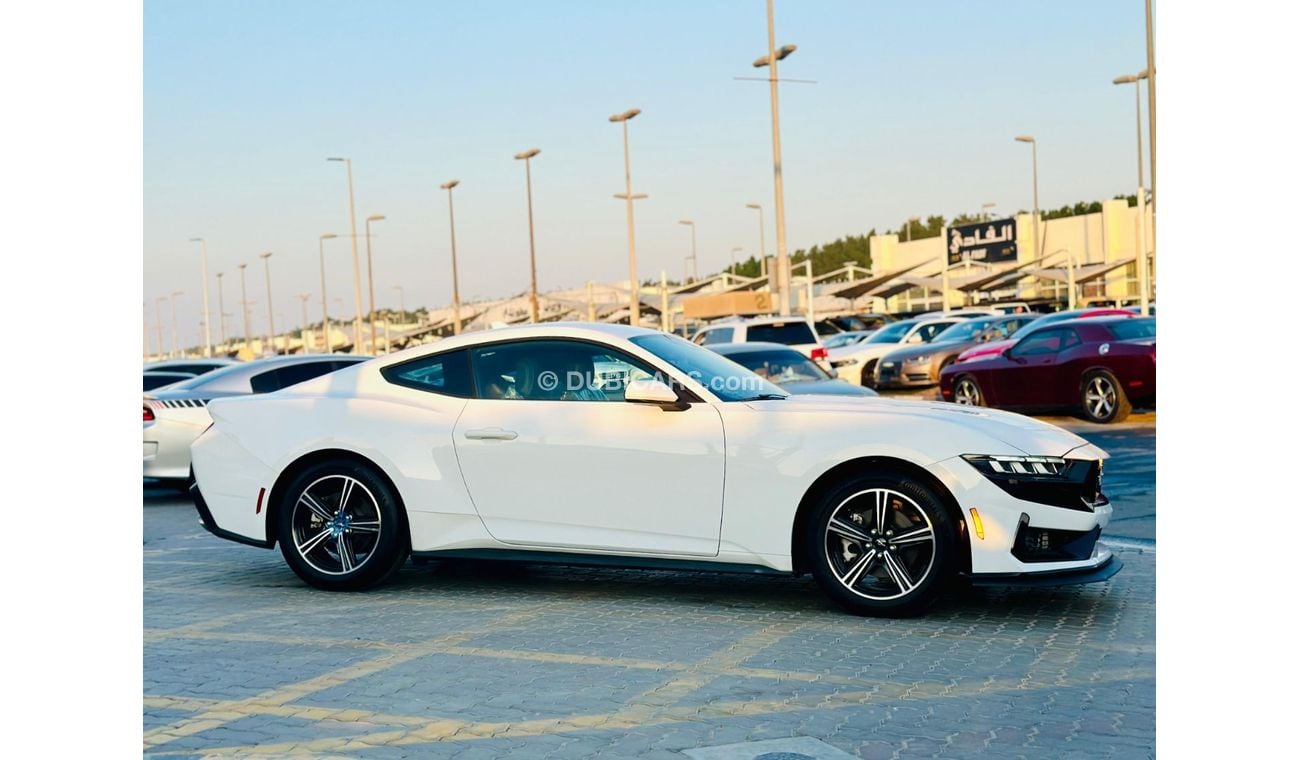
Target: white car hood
{"x": 862, "y": 351}
{"x": 1026, "y": 434}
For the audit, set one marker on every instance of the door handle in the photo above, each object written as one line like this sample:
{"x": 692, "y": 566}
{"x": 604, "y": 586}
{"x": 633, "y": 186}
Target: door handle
{"x": 491, "y": 434}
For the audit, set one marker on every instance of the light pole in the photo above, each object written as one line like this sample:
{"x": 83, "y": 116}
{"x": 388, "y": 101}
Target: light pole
{"x": 175, "y": 350}
{"x": 455, "y": 276}
{"x": 401, "y": 299}
{"x": 157, "y": 303}
{"x": 734, "y": 251}
{"x": 984, "y": 210}
{"x": 207, "y": 321}
{"x": 303, "y": 297}
{"x": 370, "y": 277}
{"x": 770, "y": 60}
{"x": 1151, "y": 119}
{"x": 634, "y": 318}
{"x": 1033, "y": 144}
{"x": 695, "y": 264}
{"x": 807, "y": 264}
{"x": 527, "y": 158}
{"x": 762, "y": 242}
{"x": 243, "y": 300}
{"x": 270, "y": 312}
{"x": 908, "y": 229}
{"x": 324, "y": 296}
{"x": 221, "y": 309}
{"x": 1144, "y": 286}
{"x": 356, "y": 259}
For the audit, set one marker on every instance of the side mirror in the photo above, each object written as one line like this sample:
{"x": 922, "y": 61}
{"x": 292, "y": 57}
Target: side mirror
{"x": 652, "y": 392}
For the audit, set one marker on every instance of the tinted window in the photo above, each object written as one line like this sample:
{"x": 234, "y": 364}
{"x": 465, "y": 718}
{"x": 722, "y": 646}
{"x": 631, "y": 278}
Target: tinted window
{"x": 292, "y": 374}
{"x": 718, "y": 335}
{"x": 787, "y": 333}
{"x": 890, "y": 334}
{"x": 446, "y": 374}
{"x": 554, "y": 370}
{"x": 154, "y": 380}
{"x": 1133, "y": 329}
{"x": 231, "y": 379}
{"x": 780, "y": 367}
{"x": 1045, "y": 342}
{"x": 928, "y": 331}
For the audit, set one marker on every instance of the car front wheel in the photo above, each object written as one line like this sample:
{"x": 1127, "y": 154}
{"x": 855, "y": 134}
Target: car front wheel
{"x": 881, "y": 544}
{"x": 1103, "y": 399}
{"x": 966, "y": 391}
{"x": 340, "y": 527}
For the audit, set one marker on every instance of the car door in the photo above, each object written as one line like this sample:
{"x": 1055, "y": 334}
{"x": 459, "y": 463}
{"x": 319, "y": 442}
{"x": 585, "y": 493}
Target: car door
{"x": 1031, "y": 377}
{"x": 554, "y": 457}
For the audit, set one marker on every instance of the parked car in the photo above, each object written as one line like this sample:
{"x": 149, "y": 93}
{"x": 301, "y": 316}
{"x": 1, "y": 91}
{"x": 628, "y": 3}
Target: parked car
{"x": 846, "y": 339}
{"x": 994, "y": 348}
{"x": 1099, "y": 367}
{"x": 175, "y": 415}
{"x": 919, "y": 366}
{"x": 192, "y": 366}
{"x": 857, "y": 363}
{"x": 154, "y": 380}
{"x": 794, "y": 332}
{"x": 465, "y": 448}
{"x": 788, "y": 368}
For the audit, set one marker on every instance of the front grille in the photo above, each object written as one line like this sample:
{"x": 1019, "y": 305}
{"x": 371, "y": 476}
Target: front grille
{"x": 1049, "y": 545}
{"x": 918, "y": 377}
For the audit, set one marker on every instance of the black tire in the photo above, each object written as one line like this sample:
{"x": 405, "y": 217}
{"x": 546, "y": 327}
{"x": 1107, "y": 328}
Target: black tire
{"x": 966, "y": 391}
{"x": 869, "y": 374}
{"x": 1102, "y": 398}
{"x": 371, "y": 525}
{"x": 861, "y": 574}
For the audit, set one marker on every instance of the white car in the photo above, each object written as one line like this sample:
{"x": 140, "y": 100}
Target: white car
{"x": 856, "y": 363}
{"x": 506, "y": 444}
{"x": 175, "y": 414}
{"x": 794, "y": 332}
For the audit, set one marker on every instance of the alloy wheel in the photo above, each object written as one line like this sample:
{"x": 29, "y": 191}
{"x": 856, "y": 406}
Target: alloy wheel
{"x": 880, "y": 544}
{"x": 967, "y": 393}
{"x": 1099, "y": 397}
{"x": 336, "y": 524}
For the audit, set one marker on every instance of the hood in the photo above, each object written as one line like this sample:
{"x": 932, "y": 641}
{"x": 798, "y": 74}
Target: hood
{"x": 862, "y": 351}
{"x": 1025, "y": 434}
{"x": 926, "y": 349}
{"x": 827, "y": 388}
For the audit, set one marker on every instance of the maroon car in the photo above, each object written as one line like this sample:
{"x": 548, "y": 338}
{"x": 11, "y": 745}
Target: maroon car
{"x": 1101, "y": 366}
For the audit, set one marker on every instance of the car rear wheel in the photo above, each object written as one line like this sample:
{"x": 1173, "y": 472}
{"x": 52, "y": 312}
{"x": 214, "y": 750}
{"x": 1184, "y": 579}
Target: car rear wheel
{"x": 341, "y": 527}
{"x": 966, "y": 392}
{"x": 881, "y": 544}
{"x": 1103, "y": 399}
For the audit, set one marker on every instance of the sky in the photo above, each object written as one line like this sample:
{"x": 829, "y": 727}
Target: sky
{"x": 913, "y": 112}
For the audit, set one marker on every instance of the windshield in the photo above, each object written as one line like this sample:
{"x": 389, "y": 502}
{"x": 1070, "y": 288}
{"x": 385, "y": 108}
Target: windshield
{"x": 844, "y": 339}
{"x": 963, "y": 330}
{"x": 780, "y": 367}
{"x": 890, "y": 333}
{"x": 232, "y": 378}
{"x": 724, "y": 378}
{"x": 1133, "y": 329}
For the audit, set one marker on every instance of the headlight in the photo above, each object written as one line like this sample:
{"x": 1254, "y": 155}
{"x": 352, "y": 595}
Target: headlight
{"x": 1055, "y": 481}
{"x": 918, "y": 359}
{"x": 849, "y": 362}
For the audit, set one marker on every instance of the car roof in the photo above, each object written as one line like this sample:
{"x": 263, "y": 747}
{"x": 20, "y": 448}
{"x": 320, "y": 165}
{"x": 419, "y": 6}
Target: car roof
{"x": 590, "y": 330}
{"x": 726, "y": 349}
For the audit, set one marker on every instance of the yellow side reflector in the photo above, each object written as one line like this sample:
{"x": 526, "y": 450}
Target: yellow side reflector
{"x": 979, "y": 524}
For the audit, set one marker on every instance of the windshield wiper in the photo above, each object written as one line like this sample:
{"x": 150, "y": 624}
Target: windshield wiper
{"x": 766, "y": 397}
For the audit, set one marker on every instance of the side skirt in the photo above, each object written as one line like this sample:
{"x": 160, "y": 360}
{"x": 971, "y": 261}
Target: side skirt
{"x": 598, "y": 560}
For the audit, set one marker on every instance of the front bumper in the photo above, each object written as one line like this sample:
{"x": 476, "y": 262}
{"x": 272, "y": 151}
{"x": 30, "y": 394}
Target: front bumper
{"x": 1101, "y": 572}
{"x": 903, "y": 375}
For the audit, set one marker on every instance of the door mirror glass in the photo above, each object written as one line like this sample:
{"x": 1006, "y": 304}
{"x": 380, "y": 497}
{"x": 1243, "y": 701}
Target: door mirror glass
{"x": 650, "y": 392}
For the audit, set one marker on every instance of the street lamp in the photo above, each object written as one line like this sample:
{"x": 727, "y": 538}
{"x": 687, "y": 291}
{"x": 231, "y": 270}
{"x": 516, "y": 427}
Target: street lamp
{"x": 1033, "y": 144}
{"x": 157, "y": 303}
{"x": 243, "y": 300}
{"x": 908, "y": 229}
{"x": 770, "y": 60}
{"x": 527, "y": 158}
{"x": 303, "y": 297}
{"x": 984, "y": 210}
{"x": 1144, "y": 286}
{"x": 324, "y": 296}
{"x": 455, "y": 276}
{"x": 221, "y": 309}
{"x": 175, "y": 350}
{"x": 695, "y": 264}
{"x": 207, "y": 321}
{"x": 634, "y": 317}
{"x": 762, "y": 243}
{"x": 356, "y": 260}
{"x": 401, "y": 299}
{"x": 270, "y": 312}
{"x": 370, "y": 277}
{"x": 734, "y": 251}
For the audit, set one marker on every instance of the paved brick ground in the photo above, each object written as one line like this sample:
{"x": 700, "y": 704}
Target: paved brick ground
{"x": 474, "y": 660}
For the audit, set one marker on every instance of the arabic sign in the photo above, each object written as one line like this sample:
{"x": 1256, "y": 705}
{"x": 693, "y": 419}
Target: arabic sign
{"x": 990, "y": 242}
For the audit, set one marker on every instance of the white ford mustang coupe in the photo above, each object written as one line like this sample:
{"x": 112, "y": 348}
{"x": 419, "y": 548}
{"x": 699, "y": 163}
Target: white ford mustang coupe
{"x": 621, "y": 446}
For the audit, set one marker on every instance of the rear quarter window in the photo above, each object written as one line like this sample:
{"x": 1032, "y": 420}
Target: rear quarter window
{"x": 446, "y": 374}
{"x": 786, "y": 333}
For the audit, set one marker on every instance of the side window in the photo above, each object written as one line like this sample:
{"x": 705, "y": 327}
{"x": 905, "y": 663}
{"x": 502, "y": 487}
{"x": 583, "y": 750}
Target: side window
{"x": 446, "y": 374}
{"x": 927, "y": 332}
{"x": 554, "y": 370}
{"x": 720, "y": 335}
{"x": 1070, "y": 339}
{"x": 1040, "y": 343}
{"x": 283, "y": 377}
{"x": 701, "y": 337}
